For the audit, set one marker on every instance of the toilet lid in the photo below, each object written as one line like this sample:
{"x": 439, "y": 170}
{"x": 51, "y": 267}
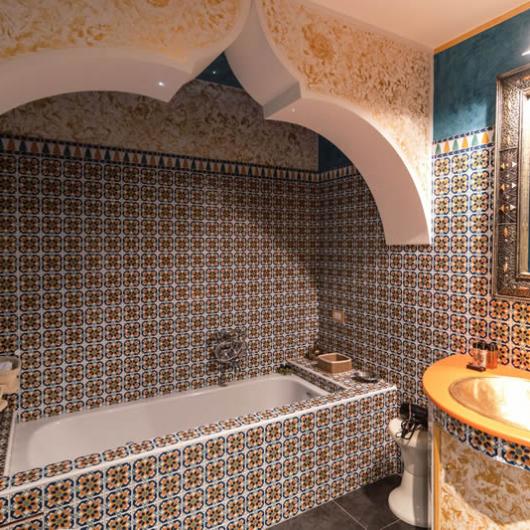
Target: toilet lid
{"x": 420, "y": 438}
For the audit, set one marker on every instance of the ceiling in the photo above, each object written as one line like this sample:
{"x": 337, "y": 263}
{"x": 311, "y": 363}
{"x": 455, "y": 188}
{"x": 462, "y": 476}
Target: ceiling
{"x": 430, "y": 23}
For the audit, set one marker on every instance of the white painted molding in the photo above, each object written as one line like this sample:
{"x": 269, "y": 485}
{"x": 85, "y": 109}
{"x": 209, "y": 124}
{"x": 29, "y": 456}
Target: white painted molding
{"x": 255, "y": 62}
{"x": 49, "y": 73}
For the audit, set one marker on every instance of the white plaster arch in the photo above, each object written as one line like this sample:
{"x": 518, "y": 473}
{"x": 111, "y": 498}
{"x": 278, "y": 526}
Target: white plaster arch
{"x": 275, "y": 84}
{"x": 268, "y": 78}
{"x": 50, "y": 72}
{"x": 54, "y": 72}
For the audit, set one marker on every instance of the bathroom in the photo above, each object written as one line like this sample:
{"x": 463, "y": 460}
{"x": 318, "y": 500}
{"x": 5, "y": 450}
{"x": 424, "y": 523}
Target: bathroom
{"x": 247, "y": 257}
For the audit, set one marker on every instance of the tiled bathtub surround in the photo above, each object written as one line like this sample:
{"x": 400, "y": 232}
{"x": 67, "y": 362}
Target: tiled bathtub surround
{"x": 406, "y": 307}
{"x": 117, "y": 267}
{"x": 253, "y": 475}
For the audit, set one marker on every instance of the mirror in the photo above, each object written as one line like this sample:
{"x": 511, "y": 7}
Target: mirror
{"x": 523, "y": 237}
{"x": 511, "y": 278}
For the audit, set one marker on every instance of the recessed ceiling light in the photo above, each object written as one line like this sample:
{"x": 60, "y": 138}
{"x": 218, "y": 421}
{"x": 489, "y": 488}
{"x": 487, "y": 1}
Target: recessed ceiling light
{"x": 527, "y": 52}
{"x": 214, "y": 72}
{"x": 161, "y": 83}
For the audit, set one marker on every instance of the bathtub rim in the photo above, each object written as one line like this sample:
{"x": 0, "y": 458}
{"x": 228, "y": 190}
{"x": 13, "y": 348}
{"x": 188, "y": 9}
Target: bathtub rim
{"x": 166, "y": 397}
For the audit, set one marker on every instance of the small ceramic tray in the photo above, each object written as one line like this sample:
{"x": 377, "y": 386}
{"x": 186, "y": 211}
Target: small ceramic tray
{"x": 364, "y": 377}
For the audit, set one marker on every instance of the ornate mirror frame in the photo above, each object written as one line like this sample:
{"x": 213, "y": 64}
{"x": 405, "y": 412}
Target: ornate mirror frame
{"x": 512, "y": 186}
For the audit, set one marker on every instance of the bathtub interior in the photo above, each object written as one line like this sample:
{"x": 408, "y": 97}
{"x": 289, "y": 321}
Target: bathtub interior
{"x": 45, "y": 441}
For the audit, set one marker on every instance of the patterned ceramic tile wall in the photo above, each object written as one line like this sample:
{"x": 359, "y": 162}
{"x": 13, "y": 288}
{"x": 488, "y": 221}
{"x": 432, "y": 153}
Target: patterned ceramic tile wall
{"x": 115, "y": 274}
{"x": 406, "y": 307}
{"x": 246, "y": 478}
{"x": 237, "y": 250}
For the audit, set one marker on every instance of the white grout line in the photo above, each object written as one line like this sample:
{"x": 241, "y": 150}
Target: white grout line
{"x": 348, "y": 514}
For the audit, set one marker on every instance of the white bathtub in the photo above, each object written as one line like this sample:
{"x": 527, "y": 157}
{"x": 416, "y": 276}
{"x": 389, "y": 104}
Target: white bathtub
{"x": 42, "y": 442}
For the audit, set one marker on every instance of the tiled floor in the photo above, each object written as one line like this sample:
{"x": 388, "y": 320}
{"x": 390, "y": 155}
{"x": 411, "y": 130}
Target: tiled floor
{"x": 364, "y": 509}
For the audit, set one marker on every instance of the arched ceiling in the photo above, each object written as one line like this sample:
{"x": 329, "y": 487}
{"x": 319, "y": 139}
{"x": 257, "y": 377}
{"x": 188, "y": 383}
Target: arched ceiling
{"x": 368, "y": 94}
{"x": 285, "y": 94}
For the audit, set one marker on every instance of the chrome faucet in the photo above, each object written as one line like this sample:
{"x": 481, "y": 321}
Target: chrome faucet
{"x": 229, "y": 347}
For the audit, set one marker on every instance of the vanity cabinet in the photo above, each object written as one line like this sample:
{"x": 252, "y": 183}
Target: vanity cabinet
{"x": 480, "y": 466}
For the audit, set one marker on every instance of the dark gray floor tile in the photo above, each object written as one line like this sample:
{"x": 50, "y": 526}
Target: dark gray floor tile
{"x": 326, "y": 517}
{"x": 369, "y": 505}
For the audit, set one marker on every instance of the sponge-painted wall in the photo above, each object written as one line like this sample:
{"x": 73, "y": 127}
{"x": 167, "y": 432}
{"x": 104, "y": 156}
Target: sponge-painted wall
{"x": 464, "y": 76}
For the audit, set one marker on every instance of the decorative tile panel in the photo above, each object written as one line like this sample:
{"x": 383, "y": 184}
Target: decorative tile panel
{"x": 118, "y": 266}
{"x": 407, "y": 307}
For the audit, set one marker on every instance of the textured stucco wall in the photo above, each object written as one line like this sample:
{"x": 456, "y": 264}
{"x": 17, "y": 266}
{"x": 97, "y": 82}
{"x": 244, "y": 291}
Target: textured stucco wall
{"x": 388, "y": 80}
{"x": 174, "y": 28}
{"x": 202, "y": 120}
{"x": 477, "y": 492}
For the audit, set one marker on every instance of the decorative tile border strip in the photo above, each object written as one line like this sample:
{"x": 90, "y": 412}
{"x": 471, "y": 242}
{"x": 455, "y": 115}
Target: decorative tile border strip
{"x": 453, "y": 144}
{"x": 491, "y": 446}
{"x": 338, "y": 173}
{"x": 160, "y": 160}
{"x": 338, "y": 391}
{"x": 101, "y": 153}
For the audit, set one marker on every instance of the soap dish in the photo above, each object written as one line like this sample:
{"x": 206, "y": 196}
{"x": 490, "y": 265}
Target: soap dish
{"x": 364, "y": 377}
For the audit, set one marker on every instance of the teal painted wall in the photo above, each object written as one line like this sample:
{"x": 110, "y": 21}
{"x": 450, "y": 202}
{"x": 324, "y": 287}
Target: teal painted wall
{"x": 465, "y": 76}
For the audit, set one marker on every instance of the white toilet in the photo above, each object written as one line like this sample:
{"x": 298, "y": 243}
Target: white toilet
{"x": 410, "y": 500}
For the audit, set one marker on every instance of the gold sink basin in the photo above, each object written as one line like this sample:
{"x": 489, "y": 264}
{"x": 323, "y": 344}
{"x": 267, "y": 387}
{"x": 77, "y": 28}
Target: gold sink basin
{"x": 505, "y": 399}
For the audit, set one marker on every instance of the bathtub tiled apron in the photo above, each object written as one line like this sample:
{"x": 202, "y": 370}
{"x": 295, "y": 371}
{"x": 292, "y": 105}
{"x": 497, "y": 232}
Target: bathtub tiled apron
{"x": 245, "y": 473}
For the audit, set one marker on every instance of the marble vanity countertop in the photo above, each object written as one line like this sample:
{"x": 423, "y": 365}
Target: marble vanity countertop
{"x": 439, "y": 377}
